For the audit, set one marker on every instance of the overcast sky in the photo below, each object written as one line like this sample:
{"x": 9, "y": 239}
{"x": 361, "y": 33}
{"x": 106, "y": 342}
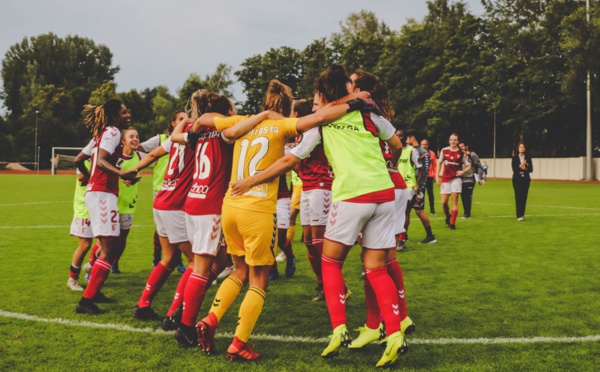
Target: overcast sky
{"x": 161, "y": 42}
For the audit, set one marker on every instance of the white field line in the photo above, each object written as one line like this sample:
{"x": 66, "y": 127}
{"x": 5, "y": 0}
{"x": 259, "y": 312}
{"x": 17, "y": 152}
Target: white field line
{"x": 441, "y": 341}
{"x": 543, "y": 206}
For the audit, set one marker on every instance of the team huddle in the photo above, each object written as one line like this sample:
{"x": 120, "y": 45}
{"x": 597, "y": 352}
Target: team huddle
{"x": 224, "y": 192}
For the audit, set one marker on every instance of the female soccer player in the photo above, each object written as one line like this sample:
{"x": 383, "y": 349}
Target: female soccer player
{"x": 451, "y": 163}
{"x": 249, "y": 221}
{"x": 102, "y": 190}
{"x": 365, "y": 81}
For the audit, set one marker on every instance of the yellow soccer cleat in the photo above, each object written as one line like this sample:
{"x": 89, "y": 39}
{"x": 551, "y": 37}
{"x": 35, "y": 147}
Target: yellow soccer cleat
{"x": 340, "y": 337}
{"x": 407, "y": 327}
{"x": 367, "y": 335}
{"x": 396, "y": 346}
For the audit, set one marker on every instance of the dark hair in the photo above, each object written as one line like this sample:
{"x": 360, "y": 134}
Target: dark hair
{"x": 367, "y": 82}
{"x": 303, "y": 107}
{"x": 220, "y": 104}
{"x": 98, "y": 117}
{"x": 173, "y": 118}
{"x": 279, "y": 98}
{"x": 332, "y": 83}
{"x": 466, "y": 143}
{"x": 414, "y": 133}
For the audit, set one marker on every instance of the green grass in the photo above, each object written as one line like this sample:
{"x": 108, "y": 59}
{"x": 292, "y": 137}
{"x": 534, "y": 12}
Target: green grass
{"x": 491, "y": 278}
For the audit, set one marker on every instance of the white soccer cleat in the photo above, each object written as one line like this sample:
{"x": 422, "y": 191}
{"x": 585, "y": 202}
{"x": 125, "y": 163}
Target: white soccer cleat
{"x": 74, "y": 285}
{"x": 87, "y": 267}
{"x": 225, "y": 273}
{"x": 281, "y": 257}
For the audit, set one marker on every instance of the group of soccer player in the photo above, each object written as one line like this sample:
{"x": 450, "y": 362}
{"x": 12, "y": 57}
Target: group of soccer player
{"x": 219, "y": 195}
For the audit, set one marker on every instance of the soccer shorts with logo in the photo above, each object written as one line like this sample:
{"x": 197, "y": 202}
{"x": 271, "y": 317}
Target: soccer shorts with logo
{"x": 454, "y": 186}
{"x": 171, "y": 225}
{"x": 250, "y": 233}
{"x": 376, "y": 221}
{"x": 82, "y": 228}
{"x": 125, "y": 221}
{"x": 314, "y": 207}
{"x": 283, "y": 213}
{"x": 401, "y": 201}
{"x": 104, "y": 215}
{"x": 204, "y": 232}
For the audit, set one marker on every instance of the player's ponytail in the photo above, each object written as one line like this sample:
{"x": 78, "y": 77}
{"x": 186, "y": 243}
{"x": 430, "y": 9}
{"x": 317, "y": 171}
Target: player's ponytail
{"x": 279, "y": 98}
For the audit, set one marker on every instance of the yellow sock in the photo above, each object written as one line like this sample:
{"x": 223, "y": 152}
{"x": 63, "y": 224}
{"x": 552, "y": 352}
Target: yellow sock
{"x": 291, "y": 233}
{"x": 227, "y": 293}
{"x": 250, "y": 310}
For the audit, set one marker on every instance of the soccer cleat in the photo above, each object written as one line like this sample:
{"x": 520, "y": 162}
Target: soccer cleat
{"x": 466, "y": 216}
{"x": 86, "y": 306}
{"x": 74, "y": 285}
{"x": 171, "y": 323}
{"x": 281, "y": 257}
{"x": 273, "y": 275}
{"x": 396, "y": 346}
{"x": 447, "y": 221}
{"x": 407, "y": 327}
{"x": 452, "y": 227}
{"x": 320, "y": 294}
{"x": 366, "y": 336}
{"x": 290, "y": 267}
{"x": 181, "y": 267}
{"x": 428, "y": 240}
{"x": 520, "y": 219}
{"x": 206, "y": 336}
{"x": 87, "y": 277}
{"x": 225, "y": 273}
{"x": 144, "y": 313}
{"x": 186, "y": 336}
{"x": 432, "y": 212}
{"x": 401, "y": 245}
{"x": 87, "y": 267}
{"x": 340, "y": 338}
{"x": 243, "y": 353}
{"x": 115, "y": 268}
{"x": 348, "y": 293}
{"x": 102, "y": 299}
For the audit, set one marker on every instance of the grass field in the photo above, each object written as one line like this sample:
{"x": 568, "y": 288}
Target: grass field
{"x": 495, "y": 294}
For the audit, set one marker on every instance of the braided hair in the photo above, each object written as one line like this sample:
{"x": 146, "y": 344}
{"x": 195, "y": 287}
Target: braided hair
{"x": 98, "y": 117}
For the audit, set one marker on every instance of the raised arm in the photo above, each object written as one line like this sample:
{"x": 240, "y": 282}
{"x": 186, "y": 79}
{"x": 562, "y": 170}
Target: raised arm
{"x": 206, "y": 120}
{"x": 178, "y": 136}
{"x": 244, "y": 126}
{"x": 150, "y": 158}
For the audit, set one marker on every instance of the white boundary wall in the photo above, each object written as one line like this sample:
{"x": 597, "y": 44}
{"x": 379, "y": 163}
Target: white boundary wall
{"x": 572, "y": 169}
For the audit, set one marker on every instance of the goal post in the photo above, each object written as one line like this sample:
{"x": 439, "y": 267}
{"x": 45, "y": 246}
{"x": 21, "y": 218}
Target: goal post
{"x": 63, "y": 158}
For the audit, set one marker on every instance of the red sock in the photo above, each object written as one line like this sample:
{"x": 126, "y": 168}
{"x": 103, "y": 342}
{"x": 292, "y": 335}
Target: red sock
{"x": 74, "y": 272}
{"x": 335, "y": 290}
{"x": 93, "y": 256}
{"x": 373, "y": 315}
{"x": 98, "y": 276}
{"x": 453, "y": 218}
{"x": 195, "y": 289}
{"x": 178, "y": 299}
{"x": 387, "y": 298}
{"x": 314, "y": 257}
{"x": 395, "y": 272}
{"x": 157, "y": 278}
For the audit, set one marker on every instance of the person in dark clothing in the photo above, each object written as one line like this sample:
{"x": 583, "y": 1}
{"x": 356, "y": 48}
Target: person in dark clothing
{"x": 521, "y": 166}
{"x": 470, "y": 178}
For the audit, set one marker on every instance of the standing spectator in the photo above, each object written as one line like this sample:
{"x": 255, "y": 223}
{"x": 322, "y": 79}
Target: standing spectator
{"x": 433, "y": 168}
{"x": 469, "y": 178}
{"x": 521, "y": 166}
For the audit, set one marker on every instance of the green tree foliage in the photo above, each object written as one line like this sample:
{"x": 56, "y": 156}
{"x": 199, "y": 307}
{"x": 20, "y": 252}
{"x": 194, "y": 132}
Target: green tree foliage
{"x": 219, "y": 82}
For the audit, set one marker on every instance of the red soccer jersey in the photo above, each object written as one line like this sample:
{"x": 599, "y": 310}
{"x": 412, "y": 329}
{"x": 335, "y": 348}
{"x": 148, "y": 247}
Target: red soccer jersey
{"x": 178, "y": 177}
{"x": 395, "y": 175}
{"x": 212, "y": 171}
{"x": 100, "y": 180}
{"x": 314, "y": 170}
{"x": 453, "y": 162}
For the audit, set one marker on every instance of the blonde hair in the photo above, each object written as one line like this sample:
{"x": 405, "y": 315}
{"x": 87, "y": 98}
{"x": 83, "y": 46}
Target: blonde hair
{"x": 279, "y": 98}
{"x": 98, "y": 117}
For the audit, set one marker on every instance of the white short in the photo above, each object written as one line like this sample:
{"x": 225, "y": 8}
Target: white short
{"x": 81, "y": 228}
{"x": 455, "y": 185}
{"x": 314, "y": 207}
{"x": 204, "y": 232}
{"x": 283, "y": 213}
{"x": 376, "y": 221}
{"x": 104, "y": 214}
{"x": 171, "y": 225}
{"x": 403, "y": 196}
{"x": 125, "y": 221}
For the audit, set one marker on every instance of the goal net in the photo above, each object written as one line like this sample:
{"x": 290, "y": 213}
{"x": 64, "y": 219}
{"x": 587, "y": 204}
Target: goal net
{"x": 64, "y": 158}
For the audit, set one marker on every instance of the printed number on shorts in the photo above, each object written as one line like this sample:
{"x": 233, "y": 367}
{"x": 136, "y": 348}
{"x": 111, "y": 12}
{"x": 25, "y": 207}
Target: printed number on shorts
{"x": 263, "y": 142}
{"x": 178, "y": 158}
{"x": 202, "y": 162}
{"x": 113, "y": 217}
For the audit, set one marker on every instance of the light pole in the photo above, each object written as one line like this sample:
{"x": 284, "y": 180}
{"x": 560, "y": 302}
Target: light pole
{"x": 36, "y": 155}
{"x": 588, "y": 129}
